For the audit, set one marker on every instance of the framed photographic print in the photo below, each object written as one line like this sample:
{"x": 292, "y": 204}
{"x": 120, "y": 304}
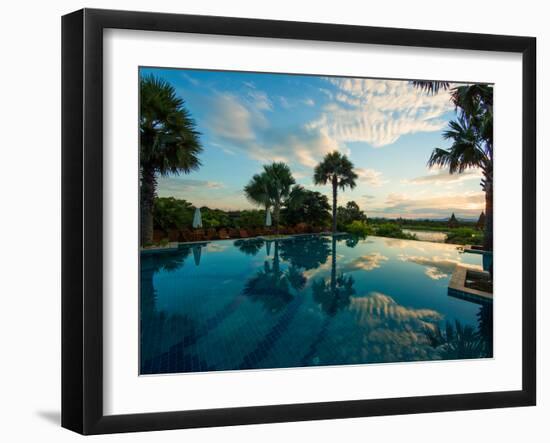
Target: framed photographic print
{"x": 269, "y": 221}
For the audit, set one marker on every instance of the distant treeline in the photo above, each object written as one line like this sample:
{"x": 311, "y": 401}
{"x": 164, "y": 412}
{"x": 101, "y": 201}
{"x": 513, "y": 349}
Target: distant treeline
{"x": 424, "y": 224}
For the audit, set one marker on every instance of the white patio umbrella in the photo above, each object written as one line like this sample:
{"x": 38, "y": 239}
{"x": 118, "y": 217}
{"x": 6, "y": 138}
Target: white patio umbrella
{"x": 197, "y": 250}
{"x": 268, "y": 217}
{"x": 197, "y": 219}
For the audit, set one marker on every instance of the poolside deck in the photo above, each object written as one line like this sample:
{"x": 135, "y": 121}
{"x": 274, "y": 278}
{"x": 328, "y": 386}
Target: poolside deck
{"x": 458, "y": 289}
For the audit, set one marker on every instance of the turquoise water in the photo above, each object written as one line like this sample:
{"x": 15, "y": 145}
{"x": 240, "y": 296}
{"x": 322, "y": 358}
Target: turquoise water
{"x": 305, "y": 301}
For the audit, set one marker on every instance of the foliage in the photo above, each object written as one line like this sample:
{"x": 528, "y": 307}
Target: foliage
{"x": 465, "y": 236}
{"x": 459, "y": 341}
{"x": 270, "y": 188}
{"x": 169, "y": 213}
{"x": 168, "y": 143}
{"x": 349, "y": 213}
{"x": 393, "y": 230}
{"x": 359, "y": 228}
{"x": 455, "y": 343}
{"x": 422, "y": 224}
{"x": 214, "y": 218}
{"x": 248, "y": 219}
{"x": 172, "y": 213}
{"x": 471, "y": 134}
{"x": 337, "y": 170}
{"x": 304, "y": 206}
{"x": 431, "y": 87}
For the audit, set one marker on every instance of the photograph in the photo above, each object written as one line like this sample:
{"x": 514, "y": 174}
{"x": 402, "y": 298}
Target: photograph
{"x": 293, "y": 220}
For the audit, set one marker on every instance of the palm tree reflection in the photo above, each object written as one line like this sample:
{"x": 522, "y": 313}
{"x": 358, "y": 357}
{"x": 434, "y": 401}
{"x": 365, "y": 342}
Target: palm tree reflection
{"x": 272, "y": 285}
{"x": 460, "y": 341}
{"x": 155, "y": 324}
{"x": 333, "y": 295}
{"x": 306, "y": 252}
{"x": 250, "y": 246}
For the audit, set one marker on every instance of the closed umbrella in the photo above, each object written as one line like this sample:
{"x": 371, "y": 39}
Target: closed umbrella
{"x": 268, "y": 217}
{"x": 268, "y": 247}
{"x": 197, "y": 250}
{"x": 197, "y": 219}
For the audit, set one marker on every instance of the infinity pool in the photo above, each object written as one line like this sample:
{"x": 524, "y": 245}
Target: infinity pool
{"x": 305, "y": 301}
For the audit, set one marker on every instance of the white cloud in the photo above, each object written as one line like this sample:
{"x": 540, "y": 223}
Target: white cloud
{"x": 308, "y": 102}
{"x": 370, "y": 176}
{"x": 230, "y": 120}
{"x": 185, "y": 184}
{"x": 260, "y": 100}
{"x": 442, "y": 176}
{"x": 241, "y": 124}
{"x": 190, "y": 79}
{"x": 380, "y": 111}
{"x": 366, "y": 262}
{"x": 328, "y": 93}
{"x": 284, "y": 102}
{"x": 419, "y": 205}
{"x": 437, "y": 267}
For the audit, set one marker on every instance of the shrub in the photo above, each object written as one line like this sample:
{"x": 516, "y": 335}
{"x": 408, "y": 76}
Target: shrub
{"x": 360, "y": 228}
{"x": 393, "y": 230}
{"x": 465, "y": 236}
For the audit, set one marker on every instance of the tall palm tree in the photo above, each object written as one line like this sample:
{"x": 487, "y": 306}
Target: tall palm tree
{"x": 337, "y": 170}
{"x": 271, "y": 188}
{"x": 257, "y": 190}
{"x": 169, "y": 143}
{"x": 472, "y": 136}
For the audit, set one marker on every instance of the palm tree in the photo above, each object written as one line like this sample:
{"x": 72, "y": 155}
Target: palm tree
{"x": 257, "y": 190}
{"x": 271, "y": 188}
{"x": 472, "y": 136}
{"x": 337, "y": 170}
{"x": 169, "y": 143}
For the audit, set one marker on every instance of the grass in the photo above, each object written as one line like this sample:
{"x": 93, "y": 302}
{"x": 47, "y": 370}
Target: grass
{"x": 465, "y": 236}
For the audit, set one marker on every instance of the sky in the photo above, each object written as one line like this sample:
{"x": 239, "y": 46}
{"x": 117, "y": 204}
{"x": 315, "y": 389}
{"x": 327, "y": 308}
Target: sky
{"x": 387, "y": 128}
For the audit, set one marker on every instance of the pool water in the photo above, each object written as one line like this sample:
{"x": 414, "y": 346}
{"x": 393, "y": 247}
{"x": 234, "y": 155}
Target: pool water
{"x": 305, "y": 301}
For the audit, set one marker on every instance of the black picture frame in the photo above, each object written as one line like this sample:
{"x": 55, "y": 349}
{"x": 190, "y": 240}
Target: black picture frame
{"x": 82, "y": 218}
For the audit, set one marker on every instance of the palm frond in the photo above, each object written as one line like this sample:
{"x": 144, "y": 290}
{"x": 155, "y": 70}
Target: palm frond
{"x": 430, "y": 86}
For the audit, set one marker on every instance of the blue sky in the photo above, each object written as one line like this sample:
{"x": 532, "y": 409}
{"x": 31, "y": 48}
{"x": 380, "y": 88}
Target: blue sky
{"x": 386, "y": 127}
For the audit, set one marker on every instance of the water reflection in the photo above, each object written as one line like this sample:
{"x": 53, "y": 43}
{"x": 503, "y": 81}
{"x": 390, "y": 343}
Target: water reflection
{"x": 305, "y": 301}
{"x": 250, "y": 246}
{"x": 306, "y": 252}
{"x": 436, "y": 267}
{"x": 272, "y": 285}
{"x": 458, "y": 341}
{"x": 333, "y": 295}
{"x": 158, "y": 326}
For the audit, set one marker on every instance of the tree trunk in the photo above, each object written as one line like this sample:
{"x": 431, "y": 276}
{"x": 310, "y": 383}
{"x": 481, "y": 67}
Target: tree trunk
{"x": 276, "y": 264}
{"x": 488, "y": 232}
{"x": 334, "y": 199}
{"x": 333, "y": 268}
{"x": 147, "y": 199}
{"x": 276, "y": 212}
